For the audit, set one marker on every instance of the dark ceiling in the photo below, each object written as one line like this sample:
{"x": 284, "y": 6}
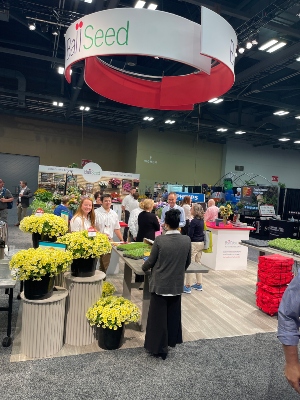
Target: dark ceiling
{"x": 265, "y": 82}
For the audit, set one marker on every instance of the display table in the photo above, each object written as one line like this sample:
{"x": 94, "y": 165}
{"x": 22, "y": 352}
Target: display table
{"x": 8, "y": 284}
{"x": 83, "y": 293}
{"x": 131, "y": 265}
{"x": 227, "y": 252}
{"x": 43, "y": 324}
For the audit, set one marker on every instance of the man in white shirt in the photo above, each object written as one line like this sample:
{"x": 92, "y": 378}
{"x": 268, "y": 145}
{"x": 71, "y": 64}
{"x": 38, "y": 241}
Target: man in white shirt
{"x": 127, "y": 202}
{"x": 107, "y": 222}
{"x": 172, "y": 205}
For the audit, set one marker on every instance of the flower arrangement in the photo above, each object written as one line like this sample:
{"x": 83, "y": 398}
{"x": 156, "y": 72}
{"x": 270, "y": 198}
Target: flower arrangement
{"x": 114, "y": 195}
{"x": 56, "y": 198}
{"x": 112, "y": 311}
{"x": 83, "y": 246}
{"x": 103, "y": 184}
{"x": 35, "y": 263}
{"x": 108, "y": 289}
{"x": 127, "y": 187}
{"x": 226, "y": 211}
{"x": 47, "y": 224}
{"x": 43, "y": 195}
{"x": 159, "y": 207}
{"x": 114, "y": 182}
{"x": 46, "y": 207}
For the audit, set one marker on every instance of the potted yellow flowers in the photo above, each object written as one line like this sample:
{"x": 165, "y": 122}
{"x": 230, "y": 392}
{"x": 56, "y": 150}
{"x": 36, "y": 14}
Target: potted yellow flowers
{"x": 110, "y": 314}
{"x": 85, "y": 250}
{"x": 46, "y": 227}
{"x": 37, "y": 268}
{"x": 225, "y": 212}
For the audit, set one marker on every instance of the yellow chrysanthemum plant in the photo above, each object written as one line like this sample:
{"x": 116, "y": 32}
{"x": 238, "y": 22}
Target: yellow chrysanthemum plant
{"x": 36, "y": 263}
{"x": 108, "y": 289}
{"x": 45, "y": 224}
{"x": 83, "y": 246}
{"x": 112, "y": 312}
{"x": 226, "y": 211}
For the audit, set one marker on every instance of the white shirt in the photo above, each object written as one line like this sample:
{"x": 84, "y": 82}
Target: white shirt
{"x": 133, "y": 221}
{"x": 21, "y": 192}
{"x": 187, "y": 211}
{"x": 133, "y": 205}
{"x": 128, "y": 201}
{"x": 78, "y": 224}
{"x": 106, "y": 221}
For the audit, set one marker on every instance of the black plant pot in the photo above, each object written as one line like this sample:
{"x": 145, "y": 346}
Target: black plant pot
{"x": 39, "y": 290}
{"x": 110, "y": 339}
{"x": 84, "y": 267}
{"x": 37, "y": 238}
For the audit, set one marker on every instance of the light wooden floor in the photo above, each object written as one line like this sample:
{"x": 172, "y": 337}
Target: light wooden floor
{"x": 226, "y": 307}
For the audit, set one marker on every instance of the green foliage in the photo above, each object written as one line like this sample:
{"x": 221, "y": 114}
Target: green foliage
{"x": 288, "y": 245}
{"x": 281, "y": 185}
{"x": 134, "y": 246}
{"x": 47, "y": 207}
{"x": 250, "y": 183}
{"x": 43, "y": 195}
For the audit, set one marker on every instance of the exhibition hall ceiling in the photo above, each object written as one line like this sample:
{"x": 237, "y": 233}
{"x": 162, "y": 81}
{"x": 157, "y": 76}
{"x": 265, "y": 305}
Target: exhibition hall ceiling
{"x": 265, "y": 82}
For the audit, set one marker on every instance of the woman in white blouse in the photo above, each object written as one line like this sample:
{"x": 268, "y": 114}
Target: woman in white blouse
{"x": 84, "y": 217}
{"x": 186, "y": 205}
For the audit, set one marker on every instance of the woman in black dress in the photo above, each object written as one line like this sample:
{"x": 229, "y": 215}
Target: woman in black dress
{"x": 147, "y": 222}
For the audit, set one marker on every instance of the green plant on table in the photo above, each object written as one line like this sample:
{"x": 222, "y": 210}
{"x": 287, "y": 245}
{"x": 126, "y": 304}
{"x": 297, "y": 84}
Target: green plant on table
{"x": 46, "y": 207}
{"x": 133, "y": 246}
{"x": 112, "y": 312}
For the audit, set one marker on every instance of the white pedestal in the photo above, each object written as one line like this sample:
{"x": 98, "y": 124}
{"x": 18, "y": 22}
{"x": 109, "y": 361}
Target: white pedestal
{"x": 43, "y": 324}
{"x": 114, "y": 266}
{"x": 83, "y": 293}
{"x": 227, "y": 253}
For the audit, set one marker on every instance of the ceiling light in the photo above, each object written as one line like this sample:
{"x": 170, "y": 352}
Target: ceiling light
{"x": 281, "y": 112}
{"x": 32, "y": 26}
{"x": 60, "y": 70}
{"x": 87, "y": 108}
{"x": 241, "y": 50}
{"x": 218, "y": 101}
{"x": 297, "y": 141}
{"x": 140, "y": 4}
{"x": 276, "y": 47}
{"x": 169, "y": 121}
{"x": 60, "y": 104}
{"x": 55, "y": 103}
{"x": 54, "y": 30}
{"x": 239, "y": 132}
{"x": 268, "y": 44}
{"x": 215, "y": 100}
{"x": 145, "y": 118}
{"x": 148, "y": 118}
{"x": 298, "y": 117}
{"x": 157, "y": 58}
{"x": 254, "y": 42}
{"x": 81, "y": 108}
{"x": 298, "y": 59}
{"x": 88, "y": 1}
{"x": 152, "y": 6}
{"x": 248, "y": 45}
{"x": 222, "y": 130}
{"x": 284, "y": 139}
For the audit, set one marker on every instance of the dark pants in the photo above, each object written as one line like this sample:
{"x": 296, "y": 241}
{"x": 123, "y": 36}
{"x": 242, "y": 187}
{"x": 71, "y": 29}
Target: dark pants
{"x": 185, "y": 229}
{"x": 125, "y": 234}
{"x": 163, "y": 324}
{"x": 104, "y": 262}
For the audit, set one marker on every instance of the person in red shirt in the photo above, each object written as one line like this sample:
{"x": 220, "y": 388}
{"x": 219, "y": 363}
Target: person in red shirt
{"x": 211, "y": 214}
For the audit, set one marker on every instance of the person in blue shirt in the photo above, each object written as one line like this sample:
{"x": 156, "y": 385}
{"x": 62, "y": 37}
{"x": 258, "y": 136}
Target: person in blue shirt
{"x": 288, "y": 331}
{"x": 172, "y": 205}
{"x": 63, "y": 207}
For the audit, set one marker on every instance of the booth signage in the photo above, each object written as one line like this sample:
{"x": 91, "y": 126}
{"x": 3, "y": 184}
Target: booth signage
{"x": 195, "y": 197}
{"x": 131, "y": 31}
{"x": 92, "y": 172}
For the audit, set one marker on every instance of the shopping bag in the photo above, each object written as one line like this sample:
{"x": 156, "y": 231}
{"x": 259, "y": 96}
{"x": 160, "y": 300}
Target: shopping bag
{"x": 207, "y": 240}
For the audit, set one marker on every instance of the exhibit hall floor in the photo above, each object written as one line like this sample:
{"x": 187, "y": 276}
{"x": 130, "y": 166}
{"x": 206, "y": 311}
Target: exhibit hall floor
{"x": 225, "y": 336}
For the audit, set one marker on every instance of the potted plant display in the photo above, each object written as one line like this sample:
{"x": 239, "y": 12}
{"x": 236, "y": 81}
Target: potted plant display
{"x": 225, "y": 212}
{"x": 85, "y": 250}
{"x": 103, "y": 185}
{"x": 114, "y": 182}
{"x": 37, "y": 268}
{"x": 110, "y": 314}
{"x": 45, "y": 227}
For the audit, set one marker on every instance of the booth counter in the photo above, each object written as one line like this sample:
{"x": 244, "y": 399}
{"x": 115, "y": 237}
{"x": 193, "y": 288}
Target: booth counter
{"x": 227, "y": 252}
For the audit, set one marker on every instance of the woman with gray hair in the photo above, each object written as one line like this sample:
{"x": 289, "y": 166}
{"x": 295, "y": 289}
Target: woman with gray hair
{"x": 196, "y": 233}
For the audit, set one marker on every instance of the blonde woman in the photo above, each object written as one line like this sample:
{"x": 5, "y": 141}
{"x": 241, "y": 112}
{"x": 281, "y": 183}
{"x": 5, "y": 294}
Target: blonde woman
{"x": 84, "y": 217}
{"x": 147, "y": 222}
{"x": 196, "y": 234}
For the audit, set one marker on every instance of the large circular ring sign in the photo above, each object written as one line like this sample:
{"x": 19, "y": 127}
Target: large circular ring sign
{"x": 131, "y": 31}
{"x": 92, "y": 172}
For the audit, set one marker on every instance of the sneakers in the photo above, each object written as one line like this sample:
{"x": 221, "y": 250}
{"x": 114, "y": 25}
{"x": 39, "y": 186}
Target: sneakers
{"x": 197, "y": 287}
{"x": 187, "y": 289}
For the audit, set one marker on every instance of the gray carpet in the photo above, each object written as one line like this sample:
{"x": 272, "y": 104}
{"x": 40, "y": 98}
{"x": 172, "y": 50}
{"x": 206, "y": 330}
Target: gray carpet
{"x": 246, "y": 367}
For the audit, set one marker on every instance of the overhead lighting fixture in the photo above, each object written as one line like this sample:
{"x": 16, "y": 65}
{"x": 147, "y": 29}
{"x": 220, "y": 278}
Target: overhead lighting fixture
{"x": 298, "y": 59}
{"x": 87, "y": 109}
{"x": 61, "y": 70}
{"x": 83, "y": 108}
{"x": 215, "y": 100}
{"x": 254, "y": 42}
{"x": 241, "y": 50}
{"x": 268, "y": 44}
{"x": 169, "y": 121}
{"x": 297, "y": 141}
{"x": 239, "y": 132}
{"x": 55, "y": 103}
{"x": 152, "y": 6}
{"x": 249, "y": 45}
{"x": 276, "y": 47}
{"x": 140, "y": 4}
{"x": 298, "y": 117}
{"x": 281, "y": 113}
{"x": 222, "y": 130}
{"x": 148, "y": 118}
{"x": 55, "y": 30}
{"x": 60, "y": 104}
{"x": 88, "y": 1}
{"x": 284, "y": 139}
{"x": 32, "y": 26}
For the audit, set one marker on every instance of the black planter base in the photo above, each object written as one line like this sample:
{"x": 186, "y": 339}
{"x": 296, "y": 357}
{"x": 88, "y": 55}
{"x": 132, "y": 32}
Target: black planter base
{"x": 39, "y": 290}
{"x": 83, "y": 267}
{"x": 109, "y": 339}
